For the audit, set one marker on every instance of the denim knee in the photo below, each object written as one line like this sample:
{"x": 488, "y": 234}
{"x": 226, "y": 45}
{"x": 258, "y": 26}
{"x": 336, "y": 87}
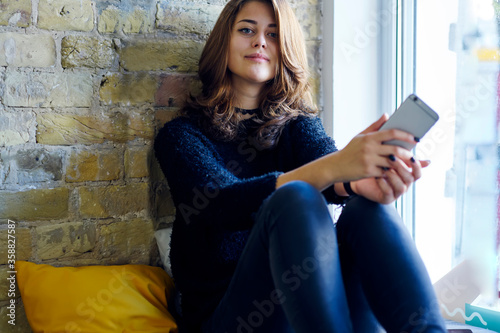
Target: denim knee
{"x": 292, "y": 201}
{"x": 362, "y": 209}
{"x": 297, "y": 190}
{"x": 365, "y": 217}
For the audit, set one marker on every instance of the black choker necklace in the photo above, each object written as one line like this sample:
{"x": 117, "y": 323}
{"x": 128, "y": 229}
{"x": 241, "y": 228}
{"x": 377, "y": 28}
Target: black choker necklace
{"x": 246, "y": 111}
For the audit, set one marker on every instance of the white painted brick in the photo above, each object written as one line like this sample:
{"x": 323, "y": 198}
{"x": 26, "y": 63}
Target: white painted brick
{"x": 16, "y": 127}
{"x": 35, "y": 89}
{"x": 73, "y": 15}
{"x": 22, "y": 50}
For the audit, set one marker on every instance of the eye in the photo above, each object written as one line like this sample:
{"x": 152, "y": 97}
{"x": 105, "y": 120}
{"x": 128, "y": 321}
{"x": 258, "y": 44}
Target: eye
{"x": 245, "y": 31}
{"x": 273, "y": 35}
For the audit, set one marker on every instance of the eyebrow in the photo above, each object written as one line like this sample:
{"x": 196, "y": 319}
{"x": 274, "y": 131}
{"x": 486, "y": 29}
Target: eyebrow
{"x": 272, "y": 25}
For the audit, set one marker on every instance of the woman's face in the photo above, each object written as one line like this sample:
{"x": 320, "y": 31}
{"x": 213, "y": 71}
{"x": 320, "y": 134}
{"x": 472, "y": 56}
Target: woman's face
{"x": 253, "y": 49}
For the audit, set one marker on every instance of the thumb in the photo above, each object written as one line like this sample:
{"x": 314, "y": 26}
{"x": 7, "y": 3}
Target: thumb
{"x": 425, "y": 163}
{"x": 376, "y": 125}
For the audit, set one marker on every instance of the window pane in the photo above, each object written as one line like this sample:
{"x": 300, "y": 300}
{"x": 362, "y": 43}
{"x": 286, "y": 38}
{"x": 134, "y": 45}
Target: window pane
{"x": 456, "y": 201}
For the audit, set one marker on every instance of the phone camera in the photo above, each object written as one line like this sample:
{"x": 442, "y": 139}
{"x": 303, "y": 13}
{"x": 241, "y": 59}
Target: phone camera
{"x": 414, "y": 98}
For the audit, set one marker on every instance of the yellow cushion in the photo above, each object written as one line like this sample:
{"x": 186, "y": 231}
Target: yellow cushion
{"x": 124, "y": 298}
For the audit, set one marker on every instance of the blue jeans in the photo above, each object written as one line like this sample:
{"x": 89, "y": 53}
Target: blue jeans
{"x": 301, "y": 273}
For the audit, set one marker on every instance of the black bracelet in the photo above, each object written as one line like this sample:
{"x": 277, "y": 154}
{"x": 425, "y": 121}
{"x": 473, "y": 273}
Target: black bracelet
{"x": 348, "y": 189}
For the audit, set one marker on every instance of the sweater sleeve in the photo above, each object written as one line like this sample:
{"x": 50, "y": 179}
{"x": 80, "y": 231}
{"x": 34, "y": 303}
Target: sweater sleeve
{"x": 310, "y": 142}
{"x": 202, "y": 186}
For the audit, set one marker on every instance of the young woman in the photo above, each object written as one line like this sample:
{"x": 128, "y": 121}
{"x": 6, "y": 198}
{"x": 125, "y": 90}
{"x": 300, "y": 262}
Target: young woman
{"x": 251, "y": 171}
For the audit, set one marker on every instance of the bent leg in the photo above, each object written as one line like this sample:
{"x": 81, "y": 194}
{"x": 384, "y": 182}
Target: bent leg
{"x": 376, "y": 248}
{"x": 289, "y": 271}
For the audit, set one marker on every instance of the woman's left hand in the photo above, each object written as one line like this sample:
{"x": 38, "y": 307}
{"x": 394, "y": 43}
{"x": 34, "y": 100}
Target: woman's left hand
{"x": 395, "y": 181}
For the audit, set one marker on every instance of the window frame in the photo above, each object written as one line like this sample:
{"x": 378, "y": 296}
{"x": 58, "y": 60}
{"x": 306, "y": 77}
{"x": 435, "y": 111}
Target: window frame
{"x": 395, "y": 70}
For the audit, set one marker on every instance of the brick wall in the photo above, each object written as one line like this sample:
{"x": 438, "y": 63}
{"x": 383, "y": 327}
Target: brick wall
{"x": 84, "y": 87}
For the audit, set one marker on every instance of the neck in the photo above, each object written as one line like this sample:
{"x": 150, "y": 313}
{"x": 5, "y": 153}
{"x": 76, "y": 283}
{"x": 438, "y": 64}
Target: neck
{"x": 247, "y": 95}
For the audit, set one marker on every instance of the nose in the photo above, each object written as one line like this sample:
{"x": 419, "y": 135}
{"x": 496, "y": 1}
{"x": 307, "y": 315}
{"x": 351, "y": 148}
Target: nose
{"x": 260, "y": 41}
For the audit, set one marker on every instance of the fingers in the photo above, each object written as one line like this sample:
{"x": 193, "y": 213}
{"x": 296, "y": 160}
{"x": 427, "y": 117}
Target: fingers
{"x": 394, "y": 134}
{"x": 386, "y": 190}
{"x": 376, "y": 125}
{"x": 399, "y": 183}
{"x": 407, "y": 175}
{"x": 396, "y": 151}
{"x": 416, "y": 168}
{"x": 367, "y": 156}
{"x": 425, "y": 163}
{"x": 401, "y": 175}
{"x": 375, "y": 140}
{"x": 413, "y": 166}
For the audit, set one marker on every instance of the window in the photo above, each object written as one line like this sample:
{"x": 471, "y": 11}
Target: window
{"x": 456, "y": 204}
{"x": 447, "y": 52}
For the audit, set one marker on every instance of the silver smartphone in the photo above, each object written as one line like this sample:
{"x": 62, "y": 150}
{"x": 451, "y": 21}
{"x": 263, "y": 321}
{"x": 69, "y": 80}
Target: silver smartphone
{"x": 412, "y": 116}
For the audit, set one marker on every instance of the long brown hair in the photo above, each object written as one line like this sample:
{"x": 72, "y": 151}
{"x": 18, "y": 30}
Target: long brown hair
{"x": 284, "y": 97}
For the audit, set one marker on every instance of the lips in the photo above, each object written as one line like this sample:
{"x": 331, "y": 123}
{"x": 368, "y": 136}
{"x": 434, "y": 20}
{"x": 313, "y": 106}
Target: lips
{"x": 257, "y": 57}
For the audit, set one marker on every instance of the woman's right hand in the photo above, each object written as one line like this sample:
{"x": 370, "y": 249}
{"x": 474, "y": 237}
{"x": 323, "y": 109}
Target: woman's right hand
{"x": 366, "y": 156}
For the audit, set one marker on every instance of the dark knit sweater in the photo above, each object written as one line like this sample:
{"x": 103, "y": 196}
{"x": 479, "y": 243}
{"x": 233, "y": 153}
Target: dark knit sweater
{"x": 217, "y": 187}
